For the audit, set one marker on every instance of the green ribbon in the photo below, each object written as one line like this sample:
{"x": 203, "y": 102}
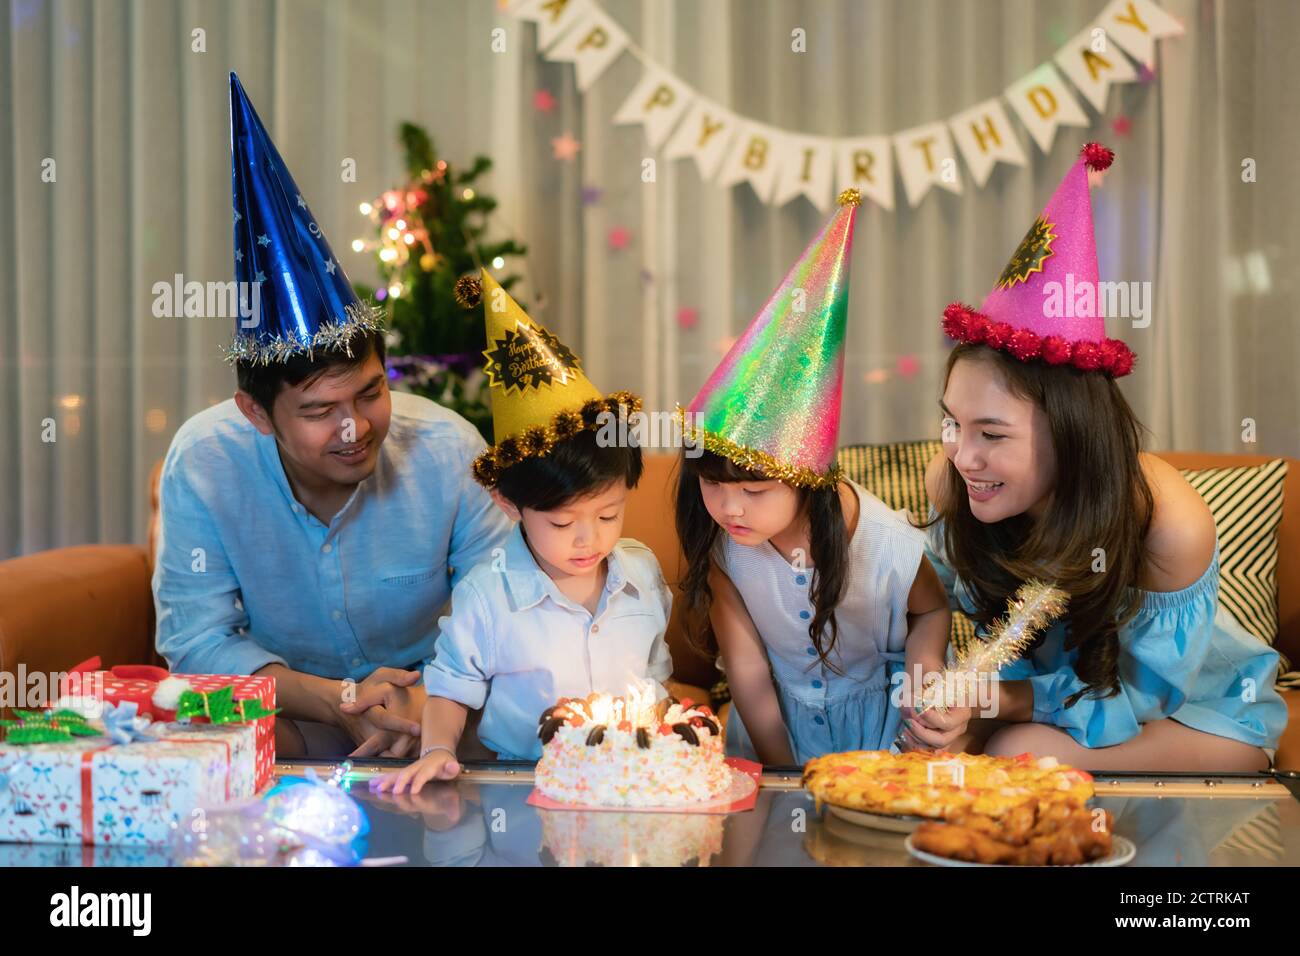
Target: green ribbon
{"x": 46, "y": 727}
{"x": 220, "y": 706}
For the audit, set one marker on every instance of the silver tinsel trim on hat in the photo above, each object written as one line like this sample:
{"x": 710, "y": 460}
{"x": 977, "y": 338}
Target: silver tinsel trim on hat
{"x": 331, "y": 336}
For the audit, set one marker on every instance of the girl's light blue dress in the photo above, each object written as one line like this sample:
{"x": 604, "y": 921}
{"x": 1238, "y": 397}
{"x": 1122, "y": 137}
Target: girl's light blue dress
{"x": 1181, "y": 656}
{"x": 827, "y": 712}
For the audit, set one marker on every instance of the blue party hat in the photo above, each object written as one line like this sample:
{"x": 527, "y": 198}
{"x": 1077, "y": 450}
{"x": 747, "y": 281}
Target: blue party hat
{"x": 304, "y": 301}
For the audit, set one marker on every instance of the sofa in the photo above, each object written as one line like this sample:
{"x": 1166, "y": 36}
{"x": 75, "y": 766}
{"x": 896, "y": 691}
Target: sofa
{"x": 61, "y": 606}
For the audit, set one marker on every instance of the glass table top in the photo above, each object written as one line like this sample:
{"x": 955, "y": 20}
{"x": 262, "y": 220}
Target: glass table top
{"x": 483, "y": 819}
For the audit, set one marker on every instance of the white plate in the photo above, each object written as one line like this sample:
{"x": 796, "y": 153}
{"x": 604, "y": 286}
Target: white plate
{"x": 1122, "y": 850}
{"x": 889, "y": 822}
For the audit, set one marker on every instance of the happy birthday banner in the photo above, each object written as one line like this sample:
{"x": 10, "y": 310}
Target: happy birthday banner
{"x": 780, "y": 164}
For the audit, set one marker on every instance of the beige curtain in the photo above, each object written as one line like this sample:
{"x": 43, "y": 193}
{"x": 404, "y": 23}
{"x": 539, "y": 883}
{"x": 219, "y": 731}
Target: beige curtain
{"x": 135, "y": 120}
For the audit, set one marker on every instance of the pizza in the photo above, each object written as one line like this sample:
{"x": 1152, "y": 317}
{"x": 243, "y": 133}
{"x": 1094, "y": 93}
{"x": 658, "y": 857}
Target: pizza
{"x": 943, "y": 786}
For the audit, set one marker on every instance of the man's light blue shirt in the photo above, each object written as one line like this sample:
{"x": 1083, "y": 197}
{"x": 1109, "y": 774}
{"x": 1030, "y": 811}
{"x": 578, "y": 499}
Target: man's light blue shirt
{"x": 247, "y": 576}
{"x": 514, "y": 644}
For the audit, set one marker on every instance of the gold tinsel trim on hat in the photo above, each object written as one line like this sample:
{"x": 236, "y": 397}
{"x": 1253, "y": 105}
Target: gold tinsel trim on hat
{"x": 540, "y": 440}
{"x": 801, "y": 476}
{"x": 359, "y": 317}
{"x": 850, "y": 197}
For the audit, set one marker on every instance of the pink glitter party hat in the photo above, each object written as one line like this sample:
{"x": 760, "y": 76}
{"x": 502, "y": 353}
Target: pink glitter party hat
{"x": 1046, "y": 304}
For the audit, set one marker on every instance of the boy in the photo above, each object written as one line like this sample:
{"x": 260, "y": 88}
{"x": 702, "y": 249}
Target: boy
{"x": 566, "y": 608}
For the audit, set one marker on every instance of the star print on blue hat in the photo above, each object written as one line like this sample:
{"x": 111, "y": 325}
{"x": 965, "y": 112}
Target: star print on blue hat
{"x": 304, "y": 302}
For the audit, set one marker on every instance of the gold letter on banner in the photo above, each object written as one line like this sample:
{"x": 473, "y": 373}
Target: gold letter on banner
{"x": 754, "y": 158}
{"x": 985, "y": 137}
{"x": 1136, "y": 25}
{"x": 656, "y": 103}
{"x": 806, "y": 168}
{"x": 865, "y": 164}
{"x": 703, "y": 136}
{"x": 553, "y": 17}
{"x": 591, "y": 46}
{"x": 1044, "y": 102}
{"x": 1091, "y": 72}
{"x": 924, "y": 154}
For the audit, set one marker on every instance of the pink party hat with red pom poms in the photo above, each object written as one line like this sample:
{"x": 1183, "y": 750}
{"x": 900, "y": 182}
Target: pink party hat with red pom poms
{"x": 1046, "y": 304}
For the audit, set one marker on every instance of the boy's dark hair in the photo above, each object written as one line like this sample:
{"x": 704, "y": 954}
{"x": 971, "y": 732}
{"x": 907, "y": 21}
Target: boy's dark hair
{"x": 576, "y": 467}
{"x": 264, "y": 382}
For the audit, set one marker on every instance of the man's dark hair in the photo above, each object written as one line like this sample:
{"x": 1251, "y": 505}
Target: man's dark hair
{"x": 264, "y": 382}
{"x": 576, "y": 467}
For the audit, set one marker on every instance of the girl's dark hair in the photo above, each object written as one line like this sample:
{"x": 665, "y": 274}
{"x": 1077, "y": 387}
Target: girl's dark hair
{"x": 575, "y": 467}
{"x": 265, "y": 381}
{"x": 1100, "y": 499}
{"x": 697, "y": 531}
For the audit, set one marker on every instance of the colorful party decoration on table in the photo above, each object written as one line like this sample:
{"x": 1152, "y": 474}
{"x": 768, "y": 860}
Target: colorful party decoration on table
{"x": 773, "y": 404}
{"x": 302, "y": 821}
{"x": 780, "y": 165}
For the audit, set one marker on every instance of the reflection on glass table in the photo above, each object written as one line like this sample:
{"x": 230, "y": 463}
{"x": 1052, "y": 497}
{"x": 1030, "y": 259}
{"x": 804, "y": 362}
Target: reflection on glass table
{"x": 483, "y": 819}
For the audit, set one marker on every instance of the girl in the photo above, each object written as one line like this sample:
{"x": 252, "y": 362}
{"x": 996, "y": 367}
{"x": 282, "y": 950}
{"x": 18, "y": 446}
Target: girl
{"x": 1041, "y": 476}
{"x": 817, "y": 594}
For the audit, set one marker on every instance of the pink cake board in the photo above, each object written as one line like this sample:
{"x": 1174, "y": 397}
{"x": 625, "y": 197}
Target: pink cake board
{"x": 745, "y": 778}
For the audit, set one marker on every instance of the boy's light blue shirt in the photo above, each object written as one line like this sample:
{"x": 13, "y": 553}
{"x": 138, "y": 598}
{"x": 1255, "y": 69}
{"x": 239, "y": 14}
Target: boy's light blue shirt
{"x": 246, "y": 576}
{"x": 514, "y": 644}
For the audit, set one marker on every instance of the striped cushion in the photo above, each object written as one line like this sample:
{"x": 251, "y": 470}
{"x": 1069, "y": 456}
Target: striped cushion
{"x": 1246, "y": 503}
{"x": 1247, "y": 507}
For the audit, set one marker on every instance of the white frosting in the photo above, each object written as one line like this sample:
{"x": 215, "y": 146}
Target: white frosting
{"x": 618, "y": 773}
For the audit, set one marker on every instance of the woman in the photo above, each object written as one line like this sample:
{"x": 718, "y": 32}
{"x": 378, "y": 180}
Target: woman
{"x": 1041, "y": 476}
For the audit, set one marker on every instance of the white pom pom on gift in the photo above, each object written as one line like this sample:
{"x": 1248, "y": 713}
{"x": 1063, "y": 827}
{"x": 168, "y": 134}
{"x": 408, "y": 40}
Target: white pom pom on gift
{"x": 167, "y": 696}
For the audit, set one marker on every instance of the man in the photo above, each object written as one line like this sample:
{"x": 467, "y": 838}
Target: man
{"x": 313, "y": 526}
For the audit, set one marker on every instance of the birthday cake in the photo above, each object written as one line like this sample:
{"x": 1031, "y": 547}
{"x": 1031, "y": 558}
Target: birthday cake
{"x": 607, "y": 751}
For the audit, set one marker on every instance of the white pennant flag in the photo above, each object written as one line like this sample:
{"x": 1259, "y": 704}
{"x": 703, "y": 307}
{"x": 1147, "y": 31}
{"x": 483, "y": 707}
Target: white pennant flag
{"x": 1136, "y": 25}
{"x": 553, "y": 17}
{"x": 1093, "y": 63}
{"x": 807, "y": 169}
{"x": 704, "y": 136}
{"x": 925, "y": 159}
{"x": 657, "y": 103}
{"x": 1043, "y": 102}
{"x": 754, "y": 158}
{"x": 867, "y": 165}
{"x": 985, "y": 137}
{"x": 593, "y": 43}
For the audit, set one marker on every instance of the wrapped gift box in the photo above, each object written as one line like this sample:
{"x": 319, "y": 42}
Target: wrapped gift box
{"x": 138, "y": 683}
{"x": 91, "y": 791}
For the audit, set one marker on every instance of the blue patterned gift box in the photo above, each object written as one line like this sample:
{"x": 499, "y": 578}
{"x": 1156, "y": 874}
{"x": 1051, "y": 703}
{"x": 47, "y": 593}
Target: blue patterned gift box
{"x": 89, "y": 790}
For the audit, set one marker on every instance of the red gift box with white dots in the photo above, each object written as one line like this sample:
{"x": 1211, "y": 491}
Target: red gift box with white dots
{"x": 138, "y": 683}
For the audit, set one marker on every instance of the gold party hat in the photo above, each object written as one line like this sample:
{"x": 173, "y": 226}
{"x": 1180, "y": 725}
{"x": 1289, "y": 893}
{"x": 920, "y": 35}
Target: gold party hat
{"x": 537, "y": 388}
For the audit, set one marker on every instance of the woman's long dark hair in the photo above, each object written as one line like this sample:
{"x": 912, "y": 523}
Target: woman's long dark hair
{"x": 697, "y": 531}
{"x": 1100, "y": 499}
